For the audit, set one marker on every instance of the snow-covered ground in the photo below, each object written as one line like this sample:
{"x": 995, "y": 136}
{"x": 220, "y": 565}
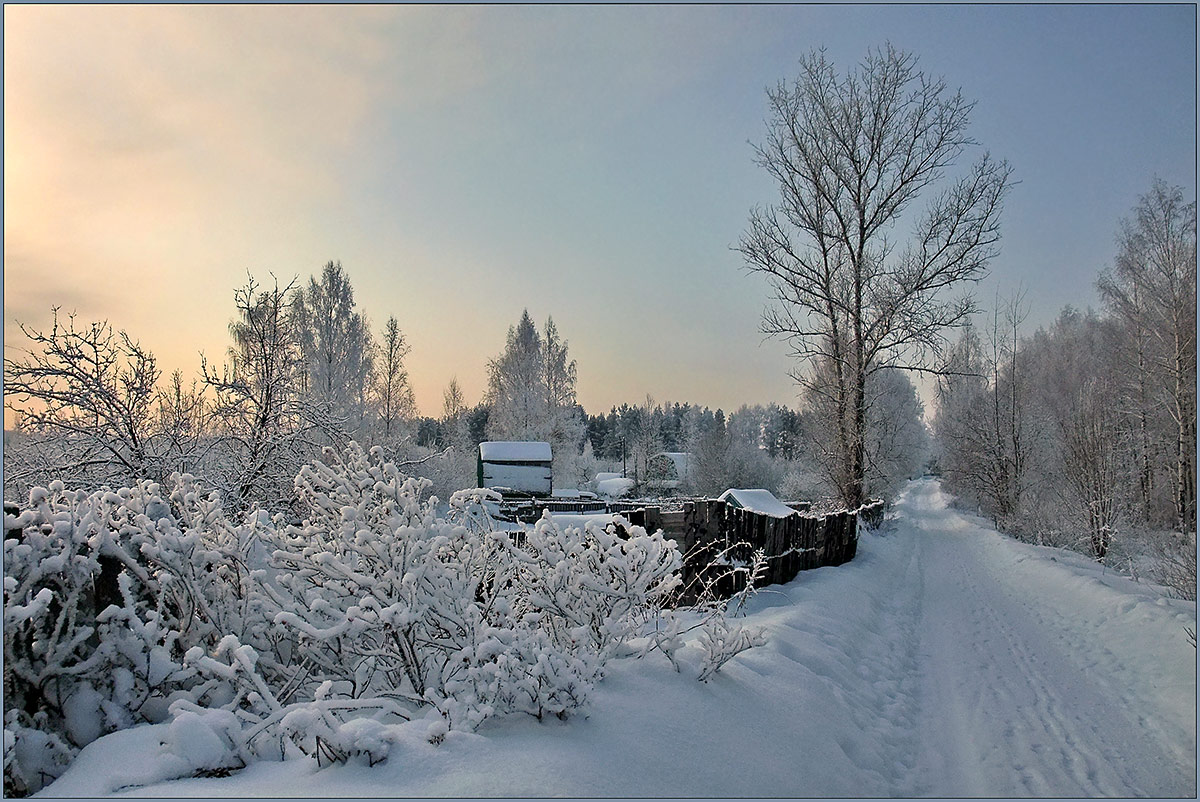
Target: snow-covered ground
{"x": 944, "y": 660}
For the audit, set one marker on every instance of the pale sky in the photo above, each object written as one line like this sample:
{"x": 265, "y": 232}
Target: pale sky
{"x": 590, "y": 163}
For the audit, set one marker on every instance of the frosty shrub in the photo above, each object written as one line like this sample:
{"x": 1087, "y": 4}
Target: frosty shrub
{"x": 398, "y": 611}
{"x": 103, "y": 594}
{"x": 718, "y": 592}
{"x": 1175, "y": 568}
{"x": 380, "y": 617}
{"x": 594, "y": 586}
{"x": 720, "y": 640}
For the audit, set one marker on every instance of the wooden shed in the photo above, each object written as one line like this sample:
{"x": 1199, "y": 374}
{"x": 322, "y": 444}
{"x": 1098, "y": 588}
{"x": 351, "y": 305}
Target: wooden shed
{"x": 519, "y": 466}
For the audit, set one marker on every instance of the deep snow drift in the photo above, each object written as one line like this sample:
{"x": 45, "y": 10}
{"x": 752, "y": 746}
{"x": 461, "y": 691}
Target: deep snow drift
{"x": 944, "y": 660}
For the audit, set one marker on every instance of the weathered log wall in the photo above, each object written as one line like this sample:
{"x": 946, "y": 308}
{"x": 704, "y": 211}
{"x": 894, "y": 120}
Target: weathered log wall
{"x": 719, "y": 541}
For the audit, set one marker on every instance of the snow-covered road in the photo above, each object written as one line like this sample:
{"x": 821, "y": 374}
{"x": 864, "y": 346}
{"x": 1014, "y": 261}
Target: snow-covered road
{"x": 944, "y": 660}
{"x": 1035, "y": 681}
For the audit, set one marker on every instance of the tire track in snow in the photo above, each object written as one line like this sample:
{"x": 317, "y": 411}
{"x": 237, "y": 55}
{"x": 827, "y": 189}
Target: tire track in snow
{"x": 1004, "y": 709}
{"x": 1104, "y": 741}
{"x": 902, "y": 625}
{"x": 1038, "y": 740}
{"x": 1107, "y": 643}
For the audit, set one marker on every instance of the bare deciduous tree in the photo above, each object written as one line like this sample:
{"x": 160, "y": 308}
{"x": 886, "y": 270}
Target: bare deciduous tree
{"x": 1152, "y": 288}
{"x": 182, "y": 425}
{"x": 982, "y": 420}
{"x": 964, "y": 443}
{"x": 851, "y": 155}
{"x": 453, "y": 404}
{"x": 92, "y": 391}
{"x": 1090, "y": 463}
{"x": 261, "y": 413}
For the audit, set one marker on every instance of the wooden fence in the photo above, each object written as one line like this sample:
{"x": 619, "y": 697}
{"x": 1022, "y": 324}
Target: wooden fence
{"x": 530, "y": 510}
{"x": 719, "y": 541}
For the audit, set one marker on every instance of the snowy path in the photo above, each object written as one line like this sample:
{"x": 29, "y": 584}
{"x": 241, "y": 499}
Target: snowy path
{"x": 944, "y": 660}
{"x": 1027, "y": 689}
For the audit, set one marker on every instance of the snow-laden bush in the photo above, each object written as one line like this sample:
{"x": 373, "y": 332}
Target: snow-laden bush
{"x": 33, "y": 754}
{"x": 380, "y": 618}
{"x": 712, "y": 609}
{"x": 103, "y": 594}
{"x": 592, "y": 588}
{"x": 721, "y": 641}
{"x": 396, "y": 611}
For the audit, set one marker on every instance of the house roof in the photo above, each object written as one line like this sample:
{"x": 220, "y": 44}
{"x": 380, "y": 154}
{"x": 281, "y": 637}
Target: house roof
{"x": 515, "y": 451}
{"x": 615, "y": 487}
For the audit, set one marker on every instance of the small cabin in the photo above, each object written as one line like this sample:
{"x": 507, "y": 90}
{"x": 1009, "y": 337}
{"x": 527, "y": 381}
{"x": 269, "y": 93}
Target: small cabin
{"x": 522, "y": 467}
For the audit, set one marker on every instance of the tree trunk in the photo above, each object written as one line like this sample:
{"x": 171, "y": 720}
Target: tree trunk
{"x": 1185, "y": 507}
{"x": 1185, "y": 443}
{"x": 855, "y": 487}
{"x": 1015, "y": 425}
{"x": 1146, "y": 472}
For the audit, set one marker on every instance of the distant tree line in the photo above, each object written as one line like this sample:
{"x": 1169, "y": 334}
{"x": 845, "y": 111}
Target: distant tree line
{"x": 304, "y": 371}
{"x": 1084, "y": 432}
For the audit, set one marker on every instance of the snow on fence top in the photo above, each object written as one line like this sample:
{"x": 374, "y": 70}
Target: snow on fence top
{"x": 760, "y": 501}
{"x": 520, "y": 451}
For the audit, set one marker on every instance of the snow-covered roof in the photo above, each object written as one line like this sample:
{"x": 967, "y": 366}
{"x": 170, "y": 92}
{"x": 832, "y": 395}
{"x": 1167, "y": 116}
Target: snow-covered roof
{"x": 760, "y": 501}
{"x": 515, "y": 451}
{"x": 614, "y": 488}
{"x": 572, "y": 493}
{"x": 603, "y": 475}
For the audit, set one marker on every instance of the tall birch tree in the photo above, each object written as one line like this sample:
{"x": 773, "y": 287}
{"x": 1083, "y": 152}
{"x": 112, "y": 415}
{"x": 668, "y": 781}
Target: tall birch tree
{"x": 1152, "y": 290}
{"x": 851, "y": 155}
{"x": 337, "y": 347}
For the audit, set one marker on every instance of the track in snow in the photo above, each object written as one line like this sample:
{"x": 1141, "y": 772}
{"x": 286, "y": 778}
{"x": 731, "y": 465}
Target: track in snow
{"x": 1020, "y": 694}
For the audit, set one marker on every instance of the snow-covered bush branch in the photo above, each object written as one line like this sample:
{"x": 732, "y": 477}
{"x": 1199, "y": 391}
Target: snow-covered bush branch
{"x": 103, "y": 594}
{"x": 716, "y": 593}
{"x": 387, "y": 598}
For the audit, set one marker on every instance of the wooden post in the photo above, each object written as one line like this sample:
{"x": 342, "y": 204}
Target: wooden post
{"x": 852, "y": 548}
{"x": 653, "y": 519}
